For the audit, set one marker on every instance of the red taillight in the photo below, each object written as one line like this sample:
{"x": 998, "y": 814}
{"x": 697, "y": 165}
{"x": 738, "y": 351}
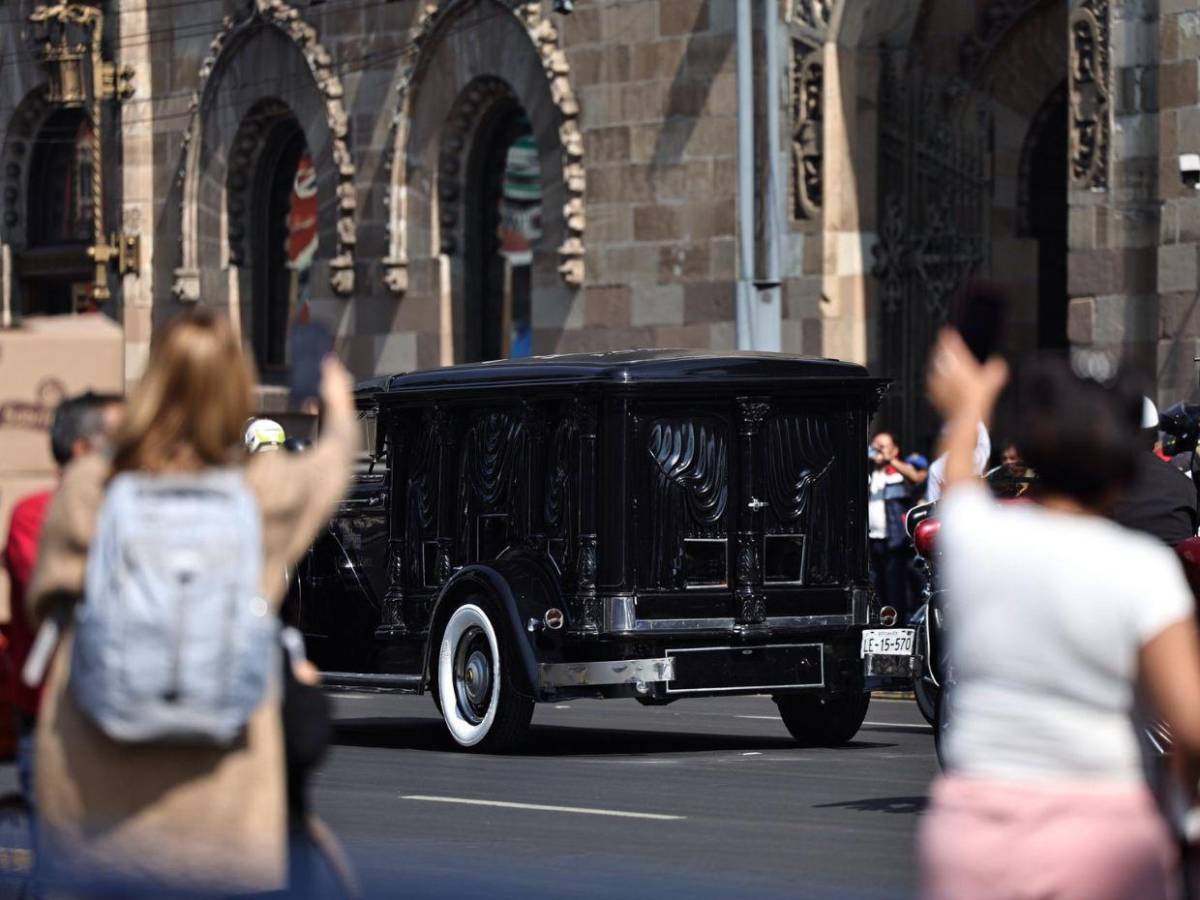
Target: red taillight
{"x": 887, "y": 616}
{"x": 925, "y": 535}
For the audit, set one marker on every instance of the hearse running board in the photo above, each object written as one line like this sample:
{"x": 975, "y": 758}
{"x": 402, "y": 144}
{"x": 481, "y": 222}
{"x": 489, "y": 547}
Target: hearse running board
{"x": 358, "y": 681}
{"x": 619, "y": 671}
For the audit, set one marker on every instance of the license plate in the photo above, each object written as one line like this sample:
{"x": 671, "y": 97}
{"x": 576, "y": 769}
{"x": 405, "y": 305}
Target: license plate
{"x": 888, "y": 641}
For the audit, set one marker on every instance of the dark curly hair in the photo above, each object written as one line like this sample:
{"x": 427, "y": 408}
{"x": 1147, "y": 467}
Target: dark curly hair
{"x": 1078, "y": 435}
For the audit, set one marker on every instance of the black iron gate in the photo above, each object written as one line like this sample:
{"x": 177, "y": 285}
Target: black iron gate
{"x": 934, "y": 183}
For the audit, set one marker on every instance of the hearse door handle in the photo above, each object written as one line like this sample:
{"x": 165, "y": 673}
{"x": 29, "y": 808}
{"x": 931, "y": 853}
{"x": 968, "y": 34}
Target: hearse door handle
{"x": 755, "y": 504}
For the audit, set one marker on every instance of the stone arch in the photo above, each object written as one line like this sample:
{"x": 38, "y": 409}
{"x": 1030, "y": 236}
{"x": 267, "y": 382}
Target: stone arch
{"x": 1024, "y": 76}
{"x": 532, "y": 63}
{"x": 15, "y": 159}
{"x": 218, "y": 144}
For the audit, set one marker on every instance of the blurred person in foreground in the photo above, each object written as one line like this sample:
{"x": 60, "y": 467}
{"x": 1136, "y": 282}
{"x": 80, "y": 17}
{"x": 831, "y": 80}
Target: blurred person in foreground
{"x": 307, "y": 726}
{"x": 165, "y": 817}
{"x": 1065, "y": 618}
{"x": 1161, "y": 500}
{"x": 81, "y": 426}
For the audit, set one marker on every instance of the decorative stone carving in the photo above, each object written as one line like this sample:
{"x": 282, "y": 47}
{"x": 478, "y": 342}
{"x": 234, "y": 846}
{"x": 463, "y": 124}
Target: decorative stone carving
{"x": 284, "y": 17}
{"x": 544, "y": 36}
{"x": 186, "y": 286}
{"x": 994, "y": 24}
{"x": 813, "y": 13}
{"x": 808, "y": 91}
{"x": 1089, "y": 85}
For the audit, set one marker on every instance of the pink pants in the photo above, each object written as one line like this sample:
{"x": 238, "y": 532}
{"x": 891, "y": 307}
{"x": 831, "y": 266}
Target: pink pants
{"x": 987, "y": 840}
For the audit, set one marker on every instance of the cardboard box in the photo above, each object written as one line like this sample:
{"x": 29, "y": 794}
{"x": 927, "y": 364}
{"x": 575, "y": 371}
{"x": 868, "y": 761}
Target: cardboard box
{"x": 42, "y": 361}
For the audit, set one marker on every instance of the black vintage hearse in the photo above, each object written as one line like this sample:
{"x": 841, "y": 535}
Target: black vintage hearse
{"x": 650, "y": 524}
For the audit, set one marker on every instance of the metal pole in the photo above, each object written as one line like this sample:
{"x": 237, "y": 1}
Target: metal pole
{"x": 745, "y": 178}
{"x": 769, "y": 309}
{"x": 100, "y": 250}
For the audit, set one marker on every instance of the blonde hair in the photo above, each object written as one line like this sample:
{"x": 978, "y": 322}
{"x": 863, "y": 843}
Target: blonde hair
{"x": 191, "y": 406}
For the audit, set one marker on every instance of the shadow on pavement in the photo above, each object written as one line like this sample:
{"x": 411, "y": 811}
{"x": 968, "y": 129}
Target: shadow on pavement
{"x": 552, "y": 740}
{"x": 896, "y": 805}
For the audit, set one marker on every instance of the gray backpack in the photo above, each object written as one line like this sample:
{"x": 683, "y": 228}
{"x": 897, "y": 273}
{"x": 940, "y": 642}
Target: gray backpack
{"x": 173, "y": 641}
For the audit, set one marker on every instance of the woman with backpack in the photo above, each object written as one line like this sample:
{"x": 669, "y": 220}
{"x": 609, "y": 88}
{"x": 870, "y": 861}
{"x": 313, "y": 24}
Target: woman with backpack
{"x": 160, "y": 761}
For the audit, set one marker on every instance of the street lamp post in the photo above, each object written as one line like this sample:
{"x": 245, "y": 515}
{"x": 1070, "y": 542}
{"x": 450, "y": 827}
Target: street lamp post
{"x": 74, "y": 83}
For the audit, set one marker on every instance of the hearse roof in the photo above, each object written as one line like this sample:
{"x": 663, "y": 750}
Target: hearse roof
{"x": 621, "y": 367}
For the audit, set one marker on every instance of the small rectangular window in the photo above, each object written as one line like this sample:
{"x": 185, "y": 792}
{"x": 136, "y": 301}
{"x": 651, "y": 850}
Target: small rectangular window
{"x": 705, "y": 563}
{"x": 783, "y": 559}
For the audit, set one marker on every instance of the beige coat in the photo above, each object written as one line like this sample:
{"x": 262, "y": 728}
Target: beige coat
{"x": 192, "y": 817}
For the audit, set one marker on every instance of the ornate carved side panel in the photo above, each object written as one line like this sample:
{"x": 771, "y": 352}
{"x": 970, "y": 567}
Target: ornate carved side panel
{"x": 802, "y": 520}
{"x": 752, "y": 608}
{"x": 493, "y": 498}
{"x": 392, "y": 614}
{"x": 808, "y": 92}
{"x": 684, "y": 529}
{"x": 1090, "y": 93}
{"x": 427, "y": 558}
{"x": 560, "y": 500}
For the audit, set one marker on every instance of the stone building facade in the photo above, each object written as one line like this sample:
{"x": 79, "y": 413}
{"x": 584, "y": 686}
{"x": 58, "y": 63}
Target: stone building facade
{"x": 449, "y": 180}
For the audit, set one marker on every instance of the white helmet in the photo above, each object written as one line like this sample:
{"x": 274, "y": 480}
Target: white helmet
{"x": 264, "y": 434}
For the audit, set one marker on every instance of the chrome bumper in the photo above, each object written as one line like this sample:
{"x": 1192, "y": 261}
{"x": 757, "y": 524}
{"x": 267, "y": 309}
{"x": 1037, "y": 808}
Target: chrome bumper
{"x": 620, "y": 617}
{"x": 621, "y": 671}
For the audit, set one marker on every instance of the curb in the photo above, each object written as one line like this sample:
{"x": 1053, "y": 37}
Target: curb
{"x": 894, "y": 695}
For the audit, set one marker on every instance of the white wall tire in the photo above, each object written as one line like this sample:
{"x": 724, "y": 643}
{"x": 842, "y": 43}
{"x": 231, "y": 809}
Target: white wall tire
{"x": 474, "y": 687}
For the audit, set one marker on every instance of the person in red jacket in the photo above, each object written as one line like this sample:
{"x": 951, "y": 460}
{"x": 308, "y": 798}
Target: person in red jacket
{"x": 81, "y": 426}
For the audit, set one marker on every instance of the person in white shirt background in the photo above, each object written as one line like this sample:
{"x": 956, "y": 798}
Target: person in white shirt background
{"x": 979, "y": 463}
{"x": 1062, "y": 625}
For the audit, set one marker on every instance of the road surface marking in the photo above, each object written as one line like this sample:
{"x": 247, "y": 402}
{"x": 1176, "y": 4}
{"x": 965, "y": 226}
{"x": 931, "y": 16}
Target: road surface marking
{"x": 539, "y": 807}
{"x": 911, "y": 725}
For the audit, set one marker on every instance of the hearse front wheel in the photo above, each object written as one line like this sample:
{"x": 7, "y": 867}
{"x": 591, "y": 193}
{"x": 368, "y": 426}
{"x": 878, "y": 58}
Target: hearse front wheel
{"x": 823, "y": 720}
{"x": 474, "y": 689}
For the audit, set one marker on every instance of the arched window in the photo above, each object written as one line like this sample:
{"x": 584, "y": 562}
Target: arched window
{"x": 55, "y": 271}
{"x": 61, "y": 201}
{"x": 283, "y": 241}
{"x": 504, "y": 191}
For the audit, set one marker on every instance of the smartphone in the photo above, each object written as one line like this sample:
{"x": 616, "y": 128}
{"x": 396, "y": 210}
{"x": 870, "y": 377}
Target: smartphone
{"x": 980, "y": 318}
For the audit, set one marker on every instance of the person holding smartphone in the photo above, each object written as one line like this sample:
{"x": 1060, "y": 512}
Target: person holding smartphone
{"x": 1068, "y": 624}
{"x": 890, "y": 488}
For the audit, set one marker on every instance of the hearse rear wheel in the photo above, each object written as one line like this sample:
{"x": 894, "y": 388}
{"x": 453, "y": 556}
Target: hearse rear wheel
{"x": 479, "y": 703}
{"x": 823, "y": 720}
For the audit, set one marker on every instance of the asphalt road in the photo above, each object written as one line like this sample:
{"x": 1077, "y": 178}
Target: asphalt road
{"x": 702, "y": 798}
